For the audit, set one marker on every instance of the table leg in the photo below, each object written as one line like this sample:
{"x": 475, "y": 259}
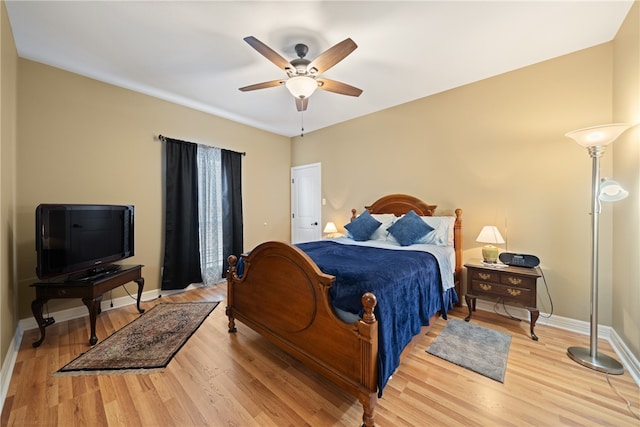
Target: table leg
{"x": 534, "y": 313}
{"x": 36, "y": 309}
{"x": 140, "y": 283}
{"x": 471, "y": 304}
{"x": 94, "y": 308}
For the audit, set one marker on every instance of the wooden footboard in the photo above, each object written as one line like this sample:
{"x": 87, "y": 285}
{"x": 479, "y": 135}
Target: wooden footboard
{"x": 284, "y": 296}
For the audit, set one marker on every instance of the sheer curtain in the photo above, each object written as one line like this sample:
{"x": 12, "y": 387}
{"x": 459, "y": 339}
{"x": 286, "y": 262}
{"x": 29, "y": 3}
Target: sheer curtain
{"x": 210, "y": 213}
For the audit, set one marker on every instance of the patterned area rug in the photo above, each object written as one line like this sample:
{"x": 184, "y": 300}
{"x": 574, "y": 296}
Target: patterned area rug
{"x": 474, "y": 347}
{"x": 146, "y": 344}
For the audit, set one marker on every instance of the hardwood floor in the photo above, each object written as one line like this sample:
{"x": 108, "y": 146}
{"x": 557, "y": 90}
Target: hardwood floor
{"x": 219, "y": 379}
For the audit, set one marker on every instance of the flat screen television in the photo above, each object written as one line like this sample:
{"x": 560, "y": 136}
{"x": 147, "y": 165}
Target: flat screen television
{"x": 73, "y": 238}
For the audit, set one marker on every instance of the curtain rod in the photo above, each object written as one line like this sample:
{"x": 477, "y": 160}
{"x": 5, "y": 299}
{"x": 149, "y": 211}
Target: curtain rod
{"x": 163, "y": 138}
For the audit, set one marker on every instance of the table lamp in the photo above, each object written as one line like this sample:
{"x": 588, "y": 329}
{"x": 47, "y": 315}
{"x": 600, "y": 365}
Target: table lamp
{"x": 330, "y": 229}
{"x": 490, "y": 235}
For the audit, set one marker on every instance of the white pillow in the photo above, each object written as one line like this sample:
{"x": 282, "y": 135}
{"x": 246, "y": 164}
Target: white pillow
{"x": 387, "y": 221}
{"x": 443, "y": 226}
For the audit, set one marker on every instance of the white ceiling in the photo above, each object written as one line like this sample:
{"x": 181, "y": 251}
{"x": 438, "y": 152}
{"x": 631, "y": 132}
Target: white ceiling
{"x": 193, "y": 53}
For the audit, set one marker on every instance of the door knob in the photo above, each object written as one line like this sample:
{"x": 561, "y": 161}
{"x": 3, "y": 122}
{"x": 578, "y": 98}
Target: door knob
{"x": 314, "y": 223}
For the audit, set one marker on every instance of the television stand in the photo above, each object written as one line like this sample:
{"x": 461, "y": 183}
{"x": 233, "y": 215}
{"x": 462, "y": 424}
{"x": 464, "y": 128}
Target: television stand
{"x": 90, "y": 291}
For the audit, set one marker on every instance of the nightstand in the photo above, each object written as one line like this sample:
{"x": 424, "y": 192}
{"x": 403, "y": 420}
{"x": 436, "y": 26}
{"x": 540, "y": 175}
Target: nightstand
{"x": 513, "y": 285}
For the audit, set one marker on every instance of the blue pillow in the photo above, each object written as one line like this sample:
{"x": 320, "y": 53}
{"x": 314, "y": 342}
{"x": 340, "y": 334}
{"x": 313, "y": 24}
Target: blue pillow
{"x": 409, "y": 229}
{"x": 363, "y": 226}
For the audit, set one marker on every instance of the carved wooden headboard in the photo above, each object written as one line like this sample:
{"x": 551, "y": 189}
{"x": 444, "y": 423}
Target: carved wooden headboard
{"x": 400, "y": 204}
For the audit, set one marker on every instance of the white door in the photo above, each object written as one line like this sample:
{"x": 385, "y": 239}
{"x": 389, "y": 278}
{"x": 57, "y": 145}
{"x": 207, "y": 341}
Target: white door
{"x": 306, "y": 206}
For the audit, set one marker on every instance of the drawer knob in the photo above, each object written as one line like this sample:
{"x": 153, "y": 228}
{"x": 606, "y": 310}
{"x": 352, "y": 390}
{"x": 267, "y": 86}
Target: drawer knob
{"x": 484, "y": 276}
{"x": 514, "y": 292}
{"x": 485, "y": 287}
{"x": 514, "y": 280}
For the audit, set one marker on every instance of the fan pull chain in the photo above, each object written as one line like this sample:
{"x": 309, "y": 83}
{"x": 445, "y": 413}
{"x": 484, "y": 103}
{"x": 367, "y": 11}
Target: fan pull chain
{"x": 301, "y": 124}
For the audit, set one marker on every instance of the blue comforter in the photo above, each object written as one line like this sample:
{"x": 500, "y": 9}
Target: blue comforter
{"x": 407, "y": 285}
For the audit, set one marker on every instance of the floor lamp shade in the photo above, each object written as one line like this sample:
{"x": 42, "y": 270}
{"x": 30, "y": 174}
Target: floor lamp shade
{"x": 595, "y": 139}
{"x": 611, "y": 191}
{"x": 598, "y": 135}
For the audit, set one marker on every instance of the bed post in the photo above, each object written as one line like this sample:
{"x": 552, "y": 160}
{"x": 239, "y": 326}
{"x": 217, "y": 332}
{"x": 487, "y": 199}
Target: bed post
{"x": 369, "y": 344}
{"x": 457, "y": 243}
{"x": 369, "y": 409}
{"x": 231, "y": 276}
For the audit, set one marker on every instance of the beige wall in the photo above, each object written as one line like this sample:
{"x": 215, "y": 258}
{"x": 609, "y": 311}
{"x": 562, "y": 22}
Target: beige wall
{"x": 83, "y": 141}
{"x": 8, "y": 100}
{"x": 626, "y": 167}
{"x": 496, "y": 149}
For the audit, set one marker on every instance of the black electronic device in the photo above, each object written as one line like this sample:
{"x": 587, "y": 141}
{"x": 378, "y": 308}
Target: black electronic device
{"x": 519, "y": 260}
{"x": 74, "y": 238}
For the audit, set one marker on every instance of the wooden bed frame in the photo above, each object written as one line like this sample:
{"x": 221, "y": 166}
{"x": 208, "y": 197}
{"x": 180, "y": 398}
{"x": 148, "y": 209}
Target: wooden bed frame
{"x": 284, "y": 296}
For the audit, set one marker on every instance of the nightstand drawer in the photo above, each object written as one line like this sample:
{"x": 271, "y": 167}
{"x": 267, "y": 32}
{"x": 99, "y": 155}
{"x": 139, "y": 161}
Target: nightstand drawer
{"x": 488, "y": 276}
{"x": 513, "y": 293}
{"x": 519, "y": 281}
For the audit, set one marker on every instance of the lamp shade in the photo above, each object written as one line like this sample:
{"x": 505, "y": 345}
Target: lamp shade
{"x": 490, "y": 234}
{"x": 301, "y": 86}
{"x": 330, "y": 228}
{"x": 611, "y": 191}
{"x": 598, "y": 135}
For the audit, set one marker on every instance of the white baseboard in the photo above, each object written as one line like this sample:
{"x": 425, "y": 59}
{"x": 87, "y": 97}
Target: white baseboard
{"x": 7, "y": 366}
{"x": 627, "y": 358}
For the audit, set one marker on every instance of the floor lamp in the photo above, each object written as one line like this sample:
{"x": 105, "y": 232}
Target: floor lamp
{"x": 595, "y": 139}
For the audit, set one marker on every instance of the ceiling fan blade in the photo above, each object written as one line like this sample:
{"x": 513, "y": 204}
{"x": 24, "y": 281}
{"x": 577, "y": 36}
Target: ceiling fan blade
{"x": 268, "y": 53}
{"x": 264, "y": 85}
{"x": 301, "y": 104}
{"x": 338, "y": 87}
{"x": 332, "y": 56}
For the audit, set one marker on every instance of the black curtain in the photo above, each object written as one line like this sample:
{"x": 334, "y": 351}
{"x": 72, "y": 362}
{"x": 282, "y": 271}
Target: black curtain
{"x": 232, "y": 228}
{"x": 181, "y": 248}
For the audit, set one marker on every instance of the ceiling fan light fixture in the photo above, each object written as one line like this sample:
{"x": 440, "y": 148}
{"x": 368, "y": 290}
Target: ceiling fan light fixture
{"x": 301, "y": 86}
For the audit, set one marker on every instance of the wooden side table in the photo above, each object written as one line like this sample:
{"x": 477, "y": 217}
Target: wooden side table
{"x": 90, "y": 291}
{"x": 513, "y": 285}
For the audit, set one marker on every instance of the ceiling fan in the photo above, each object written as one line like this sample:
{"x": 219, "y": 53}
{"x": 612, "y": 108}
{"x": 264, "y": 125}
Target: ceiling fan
{"x": 303, "y": 74}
